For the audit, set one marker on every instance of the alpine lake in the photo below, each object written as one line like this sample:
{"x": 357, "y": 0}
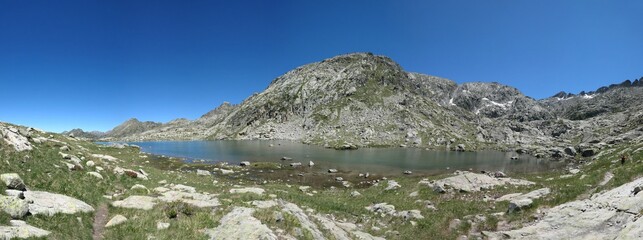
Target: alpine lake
{"x": 377, "y": 161}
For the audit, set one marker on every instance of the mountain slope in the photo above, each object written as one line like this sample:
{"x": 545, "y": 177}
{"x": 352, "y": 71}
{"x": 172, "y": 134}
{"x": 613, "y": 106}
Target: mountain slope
{"x": 358, "y": 98}
{"x": 363, "y": 99}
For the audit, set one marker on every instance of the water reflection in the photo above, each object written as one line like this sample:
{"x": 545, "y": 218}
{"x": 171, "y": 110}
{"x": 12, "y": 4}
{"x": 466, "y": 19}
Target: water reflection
{"x": 374, "y": 160}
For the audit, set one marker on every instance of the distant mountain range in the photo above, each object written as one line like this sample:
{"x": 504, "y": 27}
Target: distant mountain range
{"x": 365, "y": 100}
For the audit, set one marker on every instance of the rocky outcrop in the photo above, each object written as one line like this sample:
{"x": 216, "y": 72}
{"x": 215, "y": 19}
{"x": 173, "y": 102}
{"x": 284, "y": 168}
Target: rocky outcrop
{"x": 609, "y": 215}
{"x": 187, "y": 195}
{"x": 136, "y": 202}
{"x": 472, "y": 182}
{"x": 240, "y": 224}
{"x": 388, "y": 209}
{"x": 343, "y": 230}
{"x": 20, "y": 229}
{"x": 15, "y": 207}
{"x": 303, "y": 219}
{"x": 51, "y": 203}
{"x": 536, "y": 194}
{"x": 15, "y": 138}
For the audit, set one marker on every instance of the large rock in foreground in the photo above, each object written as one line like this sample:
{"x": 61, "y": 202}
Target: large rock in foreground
{"x": 240, "y": 224}
{"x": 13, "y": 137}
{"x": 474, "y": 182}
{"x": 15, "y": 207}
{"x": 20, "y": 229}
{"x": 610, "y": 215}
{"x": 50, "y": 203}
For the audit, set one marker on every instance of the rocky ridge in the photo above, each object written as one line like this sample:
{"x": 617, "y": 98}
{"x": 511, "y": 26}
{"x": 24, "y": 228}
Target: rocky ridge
{"x": 361, "y": 100}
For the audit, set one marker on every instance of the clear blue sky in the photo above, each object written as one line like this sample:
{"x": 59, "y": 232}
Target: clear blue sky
{"x": 93, "y": 64}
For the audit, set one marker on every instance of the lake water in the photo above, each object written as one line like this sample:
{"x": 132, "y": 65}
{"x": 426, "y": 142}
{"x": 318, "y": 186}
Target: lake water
{"x": 387, "y": 161}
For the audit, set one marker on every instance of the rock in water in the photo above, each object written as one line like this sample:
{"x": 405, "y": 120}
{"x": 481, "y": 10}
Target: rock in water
{"x": 116, "y": 220}
{"x": 311, "y": 163}
{"x": 295, "y": 164}
{"x": 13, "y": 181}
{"x": 460, "y": 148}
{"x": 244, "y": 163}
{"x": 332, "y": 170}
{"x": 240, "y": 224}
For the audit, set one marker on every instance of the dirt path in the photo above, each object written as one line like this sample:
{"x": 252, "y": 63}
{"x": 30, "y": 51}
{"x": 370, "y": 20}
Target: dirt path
{"x": 99, "y": 222}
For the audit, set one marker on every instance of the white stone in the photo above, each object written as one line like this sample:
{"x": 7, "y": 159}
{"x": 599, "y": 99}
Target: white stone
{"x": 474, "y": 182}
{"x": 162, "y": 225}
{"x": 136, "y": 202}
{"x": 20, "y": 229}
{"x": 15, "y": 207}
{"x": 254, "y": 190}
{"x": 13, "y": 181}
{"x": 608, "y": 215}
{"x": 139, "y": 186}
{"x": 20, "y": 143}
{"x": 240, "y": 224}
{"x": 51, "y": 203}
{"x": 95, "y": 174}
{"x": 392, "y": 184}
{"x": 116, "y": 220}
{"x": 264, "y": 204}
{"x": 536, "y": 194}
{"x": 203, "y": 172}
{"x": 105, "y": 157}
{"x": 304, "y": 221}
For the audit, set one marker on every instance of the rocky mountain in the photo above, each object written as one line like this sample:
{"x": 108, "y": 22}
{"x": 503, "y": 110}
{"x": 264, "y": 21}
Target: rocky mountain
{"x": 79, "y": 133}
{"x": 361, "y": 100}
{"x": 131, "y": 127}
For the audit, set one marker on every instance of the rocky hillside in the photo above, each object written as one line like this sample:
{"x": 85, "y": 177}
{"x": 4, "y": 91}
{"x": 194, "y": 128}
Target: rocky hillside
{"x": 361, "y": 100}
{"x": 59, "y": 187}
